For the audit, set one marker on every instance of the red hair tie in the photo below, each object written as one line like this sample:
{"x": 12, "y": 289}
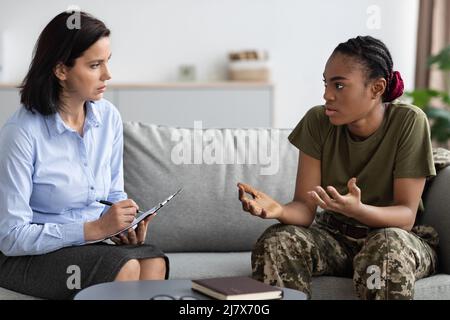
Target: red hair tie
{"x": 396, "y": 86}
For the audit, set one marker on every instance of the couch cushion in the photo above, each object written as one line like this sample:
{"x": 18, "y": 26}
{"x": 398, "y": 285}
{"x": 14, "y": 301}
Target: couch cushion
{"x": 437, "y": 214}
{"x": 207, "y": 215}
{"x": 436, "y": 287}
{"x": 6, "y": 294}
{"x": 209, "y": 264}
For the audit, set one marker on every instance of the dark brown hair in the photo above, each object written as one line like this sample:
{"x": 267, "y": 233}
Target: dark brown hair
{"x": 59, "y": 42}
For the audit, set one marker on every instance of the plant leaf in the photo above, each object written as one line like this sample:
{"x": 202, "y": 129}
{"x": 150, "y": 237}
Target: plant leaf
{"x": 440, "y": 130}
{"x": 422, "y": 97}
{"x": 438, "y": 113}
{"x": 442, "y": 59}
{"x": 445, "y": 97}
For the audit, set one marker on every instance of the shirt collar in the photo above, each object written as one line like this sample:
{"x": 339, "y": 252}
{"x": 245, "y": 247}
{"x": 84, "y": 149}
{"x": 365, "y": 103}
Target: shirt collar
{"x": 56, "y": 125}
{"x": 92, "y": 114}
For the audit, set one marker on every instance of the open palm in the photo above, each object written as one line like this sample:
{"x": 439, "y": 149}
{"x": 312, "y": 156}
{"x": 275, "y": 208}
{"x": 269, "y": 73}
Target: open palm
{"x": 261, "y": 205}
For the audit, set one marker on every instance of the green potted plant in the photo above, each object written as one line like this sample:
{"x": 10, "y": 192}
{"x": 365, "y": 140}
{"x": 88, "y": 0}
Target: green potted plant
{"x": 425, "y": 98}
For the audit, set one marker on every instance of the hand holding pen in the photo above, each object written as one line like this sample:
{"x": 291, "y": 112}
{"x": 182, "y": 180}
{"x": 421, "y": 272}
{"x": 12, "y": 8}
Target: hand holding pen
{"x": 119, "y": 216}
{"x": 129, "y": 209}
{"x": 109, "y": 203}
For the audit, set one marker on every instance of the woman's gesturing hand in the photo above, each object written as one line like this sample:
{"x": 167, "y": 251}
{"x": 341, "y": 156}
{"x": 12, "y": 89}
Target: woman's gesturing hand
{"x": 261, "y": 205}
{"x": 348, "y": 204}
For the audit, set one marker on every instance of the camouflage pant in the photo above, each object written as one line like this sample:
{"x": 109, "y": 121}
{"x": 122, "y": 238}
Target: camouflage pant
{"x": 384, "y": 265}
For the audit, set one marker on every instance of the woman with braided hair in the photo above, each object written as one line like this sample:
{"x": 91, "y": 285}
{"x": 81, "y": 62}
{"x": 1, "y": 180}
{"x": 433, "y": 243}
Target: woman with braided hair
{"x": 363, "y": 158}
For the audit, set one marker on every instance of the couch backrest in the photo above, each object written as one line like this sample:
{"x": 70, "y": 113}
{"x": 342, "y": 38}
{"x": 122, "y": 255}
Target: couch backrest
{"x": 207, "y": 163}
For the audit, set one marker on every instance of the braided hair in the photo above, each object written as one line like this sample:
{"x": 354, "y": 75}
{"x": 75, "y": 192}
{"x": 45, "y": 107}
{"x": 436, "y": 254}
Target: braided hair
{"x": 377, "y": 61}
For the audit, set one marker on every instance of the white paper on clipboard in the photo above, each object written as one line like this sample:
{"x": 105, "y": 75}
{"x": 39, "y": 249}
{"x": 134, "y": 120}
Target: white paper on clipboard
{"x": 152, "y": 211}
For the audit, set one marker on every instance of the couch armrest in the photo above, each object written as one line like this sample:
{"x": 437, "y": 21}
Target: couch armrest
{"x": 437, "y": 214}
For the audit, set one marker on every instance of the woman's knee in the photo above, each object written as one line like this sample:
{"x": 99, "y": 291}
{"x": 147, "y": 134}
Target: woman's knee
{"x": 282, "y": 257}
{"x": 384, "y": 258}
{"x": 130, "y": 271}
{"x": 382, "y": 245}
{"x": 153, "y": 269}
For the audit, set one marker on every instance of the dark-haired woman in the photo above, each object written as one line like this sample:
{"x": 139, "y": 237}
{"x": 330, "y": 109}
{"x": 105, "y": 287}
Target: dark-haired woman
{"x": 363, "y": 159}
{"x": 61, "y": 152}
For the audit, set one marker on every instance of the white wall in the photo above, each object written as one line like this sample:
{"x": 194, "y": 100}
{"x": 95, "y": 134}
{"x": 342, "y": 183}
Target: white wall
{"x": 151, "y": 38}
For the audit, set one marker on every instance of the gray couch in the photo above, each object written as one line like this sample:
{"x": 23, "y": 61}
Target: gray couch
{"x": 204, "y": 231}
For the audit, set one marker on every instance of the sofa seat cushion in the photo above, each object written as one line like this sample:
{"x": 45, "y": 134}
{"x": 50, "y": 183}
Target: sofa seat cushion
{"x": 6, "y": 294}
{"x": 436, "y": 287}
{"x": 209, "y": 264}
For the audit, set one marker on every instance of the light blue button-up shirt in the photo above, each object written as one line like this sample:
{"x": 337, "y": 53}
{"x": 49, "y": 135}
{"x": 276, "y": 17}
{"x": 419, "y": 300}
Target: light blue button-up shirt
{"x": 51, "y": 177}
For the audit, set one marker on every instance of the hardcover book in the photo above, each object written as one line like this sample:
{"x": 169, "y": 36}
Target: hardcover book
{"x": 236, "y": 288}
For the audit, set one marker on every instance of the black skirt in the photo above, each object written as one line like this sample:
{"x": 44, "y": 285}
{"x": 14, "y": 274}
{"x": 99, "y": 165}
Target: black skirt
{"x": 54, "y": 275}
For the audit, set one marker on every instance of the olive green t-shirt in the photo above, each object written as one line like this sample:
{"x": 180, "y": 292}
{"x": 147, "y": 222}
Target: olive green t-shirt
{"x": 399, "y": 148}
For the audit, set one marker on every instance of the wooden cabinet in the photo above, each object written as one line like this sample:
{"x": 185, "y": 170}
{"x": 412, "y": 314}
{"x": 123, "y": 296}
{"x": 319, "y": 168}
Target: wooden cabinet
{"x": 224, "y": 104}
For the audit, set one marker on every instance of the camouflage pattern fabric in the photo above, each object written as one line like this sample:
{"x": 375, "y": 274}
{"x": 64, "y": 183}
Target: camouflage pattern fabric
{"x": 390, "y": 262}
{"x": 441, "y": 158}
{"x": 384, "y": 265}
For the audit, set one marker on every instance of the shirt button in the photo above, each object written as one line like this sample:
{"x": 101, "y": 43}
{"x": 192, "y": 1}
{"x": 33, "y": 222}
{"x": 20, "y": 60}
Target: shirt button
{"x": 92, "y": 188}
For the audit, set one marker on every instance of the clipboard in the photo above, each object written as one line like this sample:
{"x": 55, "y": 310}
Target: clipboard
{"x": 146, "y": 214}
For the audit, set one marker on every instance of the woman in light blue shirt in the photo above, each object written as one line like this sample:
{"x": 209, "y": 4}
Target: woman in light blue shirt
{"x": 60, "y": 153}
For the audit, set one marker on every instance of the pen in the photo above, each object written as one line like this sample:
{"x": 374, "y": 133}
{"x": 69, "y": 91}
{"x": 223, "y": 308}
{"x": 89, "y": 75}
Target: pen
{"x": 109, "y": 203}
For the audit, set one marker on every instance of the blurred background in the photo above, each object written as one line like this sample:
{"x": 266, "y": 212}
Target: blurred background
{"x": 236, "y": 63}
